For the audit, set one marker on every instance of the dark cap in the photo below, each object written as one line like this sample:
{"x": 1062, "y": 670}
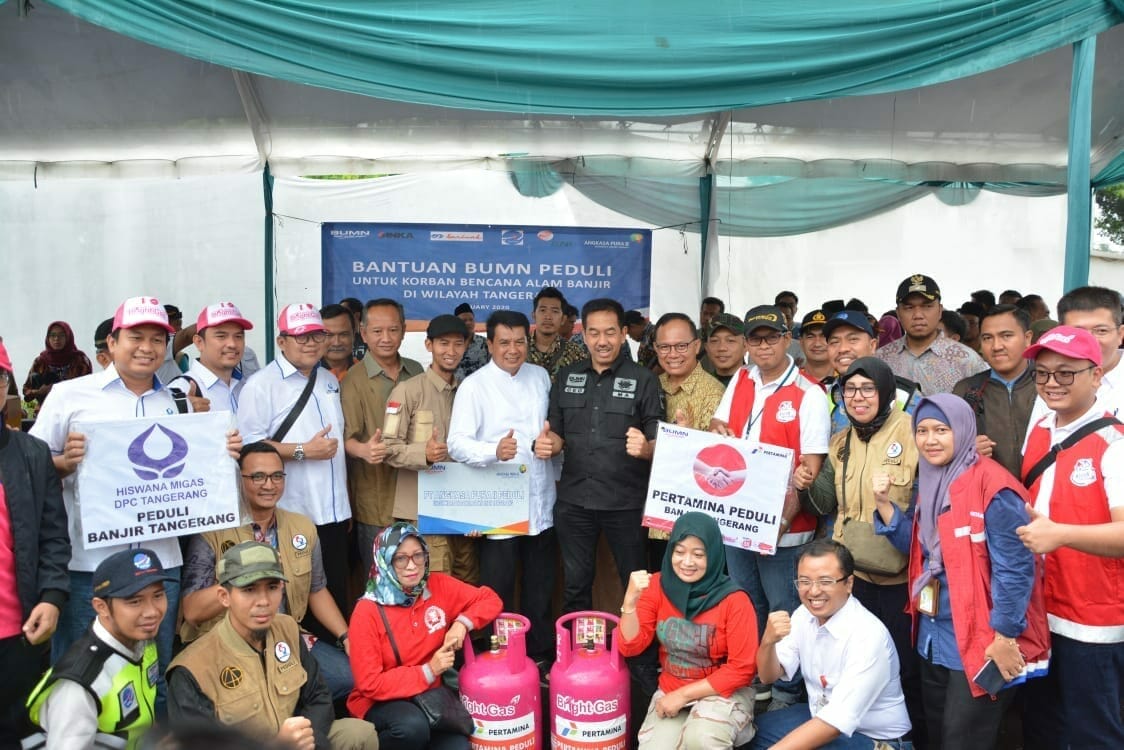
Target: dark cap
{"x": 765, "y": 316}
{"x": 814, "y": 318}
{"x": 918, "y": 284}
{"x": 102, "y": 333}
{"x": 464, "y": 307}
{"x": 852, "y": 318}
{"x": 247, "y": 562}
{"x": 173, "y": 311}
{"x": 725, "y": 320}
{"x": 445, "y": 325}
{"x": 633, "y": 317}
{"x": 124, "y": 573}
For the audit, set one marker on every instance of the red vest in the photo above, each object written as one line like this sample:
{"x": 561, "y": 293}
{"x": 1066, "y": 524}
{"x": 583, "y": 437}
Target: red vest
{"x": 968, "y": 568}
{"x": 780, "y": 425}
{"x": 1084, "y": 593}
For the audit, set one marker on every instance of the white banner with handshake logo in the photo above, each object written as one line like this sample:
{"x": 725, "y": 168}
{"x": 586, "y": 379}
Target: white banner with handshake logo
{"x": 155, "y": 477}
{"x": 740, "y": 484}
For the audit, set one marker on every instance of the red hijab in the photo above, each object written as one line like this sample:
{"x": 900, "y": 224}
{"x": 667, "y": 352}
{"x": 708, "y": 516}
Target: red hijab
{"x": 60, "y": 357}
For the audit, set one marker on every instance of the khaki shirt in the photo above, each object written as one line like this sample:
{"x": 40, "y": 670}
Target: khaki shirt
{"x": 363, "y": 393}
{"x": 697, "y": 396}
{"x": 413, "y": 409}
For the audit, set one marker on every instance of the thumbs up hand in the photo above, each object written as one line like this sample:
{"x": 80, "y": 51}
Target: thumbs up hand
{"x": 321, "y": 447}
{"x": 375, "y": 449}
{"x": 544, "y": 443}
{"x": 1041, "y": 535}
{"x": 506, "y": 447}
{"x": 681, "y": 418}
{"x": 436, "y": 450}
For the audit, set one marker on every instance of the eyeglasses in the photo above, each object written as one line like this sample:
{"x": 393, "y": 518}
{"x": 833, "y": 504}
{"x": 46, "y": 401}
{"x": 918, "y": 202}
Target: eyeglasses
{"x": 317, "y": 337}
{"x": 402, "y": 561}
{"x": 1061, "y": 377}
{"x": 4, "y": 377}
{"x": 259, "y": 477}
{"x": 866, "y": 389}
{"x": 803, "y": 584}
{"x": 771, "y": 339}
{"x": 680, "y": 348}
{"x": 59, "y": 335}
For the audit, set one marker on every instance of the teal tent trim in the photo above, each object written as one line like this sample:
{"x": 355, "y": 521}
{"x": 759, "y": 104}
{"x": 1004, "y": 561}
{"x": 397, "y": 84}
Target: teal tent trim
{"x": 1079, "y": 224}
{"x": 1113, "y": 173}
{"x": 706, "y": 195}
{"x": 535, "y": 179}
{"x": 591, "y": 57}
{"x": 270, "y": 307}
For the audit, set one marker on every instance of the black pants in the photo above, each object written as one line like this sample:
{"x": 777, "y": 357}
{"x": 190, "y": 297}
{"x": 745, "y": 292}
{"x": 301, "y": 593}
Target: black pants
{"x": 578, "y": 530}
{"x": 23, "y": 665}
{"x": 954, "y": 719}
{"x": 499, "y": 561}
{"x": 888, "y": 604}
{"x": 402, "y": 726}
{"x": 333, "y": 549}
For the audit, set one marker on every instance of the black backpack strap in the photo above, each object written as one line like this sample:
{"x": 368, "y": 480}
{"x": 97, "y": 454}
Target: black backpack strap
{"x": 298, "y": 407}
{"x": 1048, "y": 460}
{"x": 182, "y": 397}
{"x": 975, "y": 393}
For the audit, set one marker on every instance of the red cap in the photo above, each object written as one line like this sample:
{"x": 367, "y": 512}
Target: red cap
{"x": 298, "y": 319}
{"x": 141, "y": 311}
{"x": 219, "y": 313}
{"x": 1068, "y": 341}
{"x": 5, "y": 360}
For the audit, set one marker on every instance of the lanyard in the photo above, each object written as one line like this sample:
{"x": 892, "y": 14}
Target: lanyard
{"x": 753, "y": 419}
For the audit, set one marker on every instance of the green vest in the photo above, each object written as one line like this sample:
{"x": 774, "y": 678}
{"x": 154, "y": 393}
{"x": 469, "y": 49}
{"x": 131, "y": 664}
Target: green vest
{"x": 124, "y": 690}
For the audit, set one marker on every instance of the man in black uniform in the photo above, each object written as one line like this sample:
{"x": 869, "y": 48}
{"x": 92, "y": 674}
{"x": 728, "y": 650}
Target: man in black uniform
{"x": 604, "y": 411}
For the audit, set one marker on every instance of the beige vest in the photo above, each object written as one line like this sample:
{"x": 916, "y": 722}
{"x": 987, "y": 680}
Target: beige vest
{"x": 229, "y": 671}
{"x": 892, "y": 451}
{"x": 296, "y": 537}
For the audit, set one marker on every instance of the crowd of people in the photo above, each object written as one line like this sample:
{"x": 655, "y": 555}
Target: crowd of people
{"x": 950, "y": 554}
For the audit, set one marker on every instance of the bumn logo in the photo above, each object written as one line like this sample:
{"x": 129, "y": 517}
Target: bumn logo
{"x": 148, "y": 467}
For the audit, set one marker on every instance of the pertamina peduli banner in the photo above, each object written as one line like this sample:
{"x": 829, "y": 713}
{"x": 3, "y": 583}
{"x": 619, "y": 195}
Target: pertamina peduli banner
{"x": 432, "y": 268}
{"x": 155, "y": 477}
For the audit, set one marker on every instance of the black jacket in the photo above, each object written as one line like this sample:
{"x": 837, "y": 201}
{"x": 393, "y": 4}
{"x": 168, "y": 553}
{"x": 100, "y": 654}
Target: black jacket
{"x": 38, "y": 519}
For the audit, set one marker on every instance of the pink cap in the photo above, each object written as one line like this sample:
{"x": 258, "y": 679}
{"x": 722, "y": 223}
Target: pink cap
{"x": 5, "y": 360}
{"x": 219, "y": 313}
{"x": 1068, "y": 341}
{"x": 300, "y": 318}
{"x": 141, "y": 311}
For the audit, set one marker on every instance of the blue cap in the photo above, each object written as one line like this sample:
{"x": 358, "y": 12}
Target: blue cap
{"x": 852, "y": 318}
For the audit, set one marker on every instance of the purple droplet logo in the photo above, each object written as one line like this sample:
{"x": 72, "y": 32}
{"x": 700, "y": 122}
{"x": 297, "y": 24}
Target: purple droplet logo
{"x": 148, "y": 467}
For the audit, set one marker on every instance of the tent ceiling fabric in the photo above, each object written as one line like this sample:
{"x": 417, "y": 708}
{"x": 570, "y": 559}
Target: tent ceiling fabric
{"x": 81, "y": 100}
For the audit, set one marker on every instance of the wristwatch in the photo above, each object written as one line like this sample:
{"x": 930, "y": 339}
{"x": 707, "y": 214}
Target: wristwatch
{"x": 298, "y": 452}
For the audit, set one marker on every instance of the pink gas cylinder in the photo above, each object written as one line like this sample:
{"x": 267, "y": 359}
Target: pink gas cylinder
{"x": 500, "y": 688}
{"x": 589, "y": 685}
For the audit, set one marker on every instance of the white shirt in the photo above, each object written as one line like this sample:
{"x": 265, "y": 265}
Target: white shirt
{"x": 1110, "y": 396}
{"x": 1112, "y": 462}
{"x": 850, "y": 669}
{"x": 101, "y": 396}
{"x": 815, "y": 414}
{"x": 73, "y": 705}
{"x": 315, "y": 488}
{"x": 223, "y": 397}
{"x": 488, "y": 404}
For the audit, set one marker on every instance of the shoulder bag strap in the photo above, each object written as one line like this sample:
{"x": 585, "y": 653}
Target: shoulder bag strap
{"x": 298, "y": 407}
{"x": 1048, "y": 460}
{"x": 390, "y": 635}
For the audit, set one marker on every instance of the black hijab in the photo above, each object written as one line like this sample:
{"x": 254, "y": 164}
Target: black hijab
{"x": 883, "y": 377}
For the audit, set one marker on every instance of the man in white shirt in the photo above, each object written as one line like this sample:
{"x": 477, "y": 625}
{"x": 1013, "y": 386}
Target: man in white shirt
{"x": 847, "y": 657}
{"x": 220, "y": 337}
{"x": 1098, "y": 311}
{"x": 499, "y": 414}
{"x": 316, "y": 478}
{"x": 127, "y": 388}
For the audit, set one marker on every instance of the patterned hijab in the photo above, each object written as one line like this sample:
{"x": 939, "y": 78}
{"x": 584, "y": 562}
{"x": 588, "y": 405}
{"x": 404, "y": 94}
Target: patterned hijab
{"x": 383, "y": 586}
{"x": 714, "y": 586}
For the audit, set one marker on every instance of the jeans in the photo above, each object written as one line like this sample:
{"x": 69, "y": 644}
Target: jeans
{"x": 335, "y": 668}
{"x": 402, "y": 726}
{"x": 78, "y": 614}
{"x": 1077, "y": 704}
{"x": 578, "y": 530}
{"x": 499, "y": 560}
{"x": 774, "y": 725}
{"x": 768, "y": 579}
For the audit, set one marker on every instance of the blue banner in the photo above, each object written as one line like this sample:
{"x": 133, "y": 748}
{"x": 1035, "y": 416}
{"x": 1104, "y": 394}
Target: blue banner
{"x": 432, "y": 268}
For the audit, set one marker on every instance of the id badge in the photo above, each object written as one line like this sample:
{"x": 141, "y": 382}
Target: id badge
{"x": 928, "y": 598}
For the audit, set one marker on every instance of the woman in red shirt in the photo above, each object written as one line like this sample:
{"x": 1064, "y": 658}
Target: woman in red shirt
{"x": 428, "y": 617}
{"x": 708, "y": 642}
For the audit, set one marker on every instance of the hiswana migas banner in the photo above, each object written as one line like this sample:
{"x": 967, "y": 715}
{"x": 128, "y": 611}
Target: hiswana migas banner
{"x": 156, "y": 477}
{"x": 432, "y": 268}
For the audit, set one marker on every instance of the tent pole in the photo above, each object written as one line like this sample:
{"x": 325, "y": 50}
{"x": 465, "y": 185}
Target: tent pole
{"x": 1079, "y": 217}
{"x": 267, "y": 195}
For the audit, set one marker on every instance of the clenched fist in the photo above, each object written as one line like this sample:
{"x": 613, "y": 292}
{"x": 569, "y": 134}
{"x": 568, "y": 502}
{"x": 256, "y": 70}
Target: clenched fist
{"x": 776, "y": 627}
